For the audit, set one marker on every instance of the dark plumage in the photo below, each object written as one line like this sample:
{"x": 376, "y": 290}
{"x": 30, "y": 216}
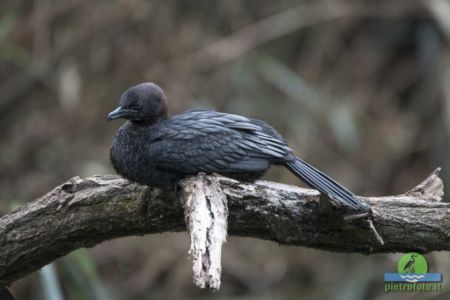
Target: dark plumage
{"x": 155, "y": 150}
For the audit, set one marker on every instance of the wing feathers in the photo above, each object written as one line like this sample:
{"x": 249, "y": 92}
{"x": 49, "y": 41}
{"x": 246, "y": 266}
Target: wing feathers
{"x": 215, "y": 142}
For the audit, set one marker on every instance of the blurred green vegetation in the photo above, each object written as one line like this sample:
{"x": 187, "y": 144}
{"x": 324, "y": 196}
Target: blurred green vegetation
{"x": 359, "y": 88}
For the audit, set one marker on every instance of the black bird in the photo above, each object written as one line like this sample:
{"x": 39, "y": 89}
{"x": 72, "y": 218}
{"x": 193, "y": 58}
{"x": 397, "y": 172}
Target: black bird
{"x": 409, "y": 266}
{"x": 155, "y": 150}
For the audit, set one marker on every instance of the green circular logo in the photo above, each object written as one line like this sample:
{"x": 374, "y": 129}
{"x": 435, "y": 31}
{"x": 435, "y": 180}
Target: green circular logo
{"x": 412, "y": 263}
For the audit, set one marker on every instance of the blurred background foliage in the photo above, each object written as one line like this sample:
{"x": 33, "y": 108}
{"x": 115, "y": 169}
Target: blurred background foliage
{"x": 359, "y": 88}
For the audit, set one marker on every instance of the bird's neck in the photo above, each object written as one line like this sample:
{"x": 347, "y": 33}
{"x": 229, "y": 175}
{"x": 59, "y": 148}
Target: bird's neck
{"x": 148, "y": 122}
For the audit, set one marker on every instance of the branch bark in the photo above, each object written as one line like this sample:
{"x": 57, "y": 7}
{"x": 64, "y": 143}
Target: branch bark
{"x": 85, "y": 212}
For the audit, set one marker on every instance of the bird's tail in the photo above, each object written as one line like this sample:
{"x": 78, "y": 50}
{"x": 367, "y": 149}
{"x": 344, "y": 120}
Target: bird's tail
{"x": 326, "y": 185}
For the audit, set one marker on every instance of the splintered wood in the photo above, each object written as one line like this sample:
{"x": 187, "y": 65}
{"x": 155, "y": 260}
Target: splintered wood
{"x": 206, "y": 213}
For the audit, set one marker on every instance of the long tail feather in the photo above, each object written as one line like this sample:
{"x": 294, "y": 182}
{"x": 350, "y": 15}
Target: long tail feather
{"x": 326, "y": 185}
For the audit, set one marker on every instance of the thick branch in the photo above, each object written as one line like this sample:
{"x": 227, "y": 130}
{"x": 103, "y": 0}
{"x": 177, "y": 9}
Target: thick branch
{"x": 85, "y": 212}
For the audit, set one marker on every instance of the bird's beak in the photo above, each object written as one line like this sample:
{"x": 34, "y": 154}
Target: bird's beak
{"x": 121, "y": 112}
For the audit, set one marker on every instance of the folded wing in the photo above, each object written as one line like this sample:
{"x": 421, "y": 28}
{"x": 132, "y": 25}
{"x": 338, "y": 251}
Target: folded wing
{"x": 207, "y": 141}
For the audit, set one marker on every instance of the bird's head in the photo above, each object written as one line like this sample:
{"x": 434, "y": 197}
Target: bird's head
{"x": 144, "y": 103}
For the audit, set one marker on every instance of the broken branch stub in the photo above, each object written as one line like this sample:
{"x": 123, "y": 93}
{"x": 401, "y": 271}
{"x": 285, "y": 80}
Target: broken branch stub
{"x": 206, "y": 213}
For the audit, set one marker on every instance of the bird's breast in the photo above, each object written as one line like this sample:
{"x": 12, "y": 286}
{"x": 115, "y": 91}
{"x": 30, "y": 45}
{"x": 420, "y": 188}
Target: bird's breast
{"x": 128, "y": 155}
{"x": 131, "y": 158}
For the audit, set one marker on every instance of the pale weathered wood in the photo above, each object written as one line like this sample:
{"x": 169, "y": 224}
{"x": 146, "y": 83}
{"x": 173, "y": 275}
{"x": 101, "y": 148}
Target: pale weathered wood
{"x": 206, "y": 213}
{"x": 85, "y": 212}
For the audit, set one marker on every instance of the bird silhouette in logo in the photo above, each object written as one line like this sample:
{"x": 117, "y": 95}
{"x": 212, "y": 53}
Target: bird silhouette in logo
{"x": 409, "y": 267}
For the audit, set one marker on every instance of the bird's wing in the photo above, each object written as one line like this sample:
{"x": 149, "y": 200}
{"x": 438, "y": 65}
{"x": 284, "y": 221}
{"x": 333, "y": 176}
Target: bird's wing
{"x": 208, "y": 141}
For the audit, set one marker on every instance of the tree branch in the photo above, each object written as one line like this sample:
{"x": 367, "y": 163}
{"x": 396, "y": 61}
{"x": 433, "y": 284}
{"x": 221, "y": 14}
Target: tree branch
{"x": 85, "y": 212}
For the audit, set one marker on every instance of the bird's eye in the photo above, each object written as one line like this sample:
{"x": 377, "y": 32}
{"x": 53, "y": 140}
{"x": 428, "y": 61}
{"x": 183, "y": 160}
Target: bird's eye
{"x": 137, "y": 105}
